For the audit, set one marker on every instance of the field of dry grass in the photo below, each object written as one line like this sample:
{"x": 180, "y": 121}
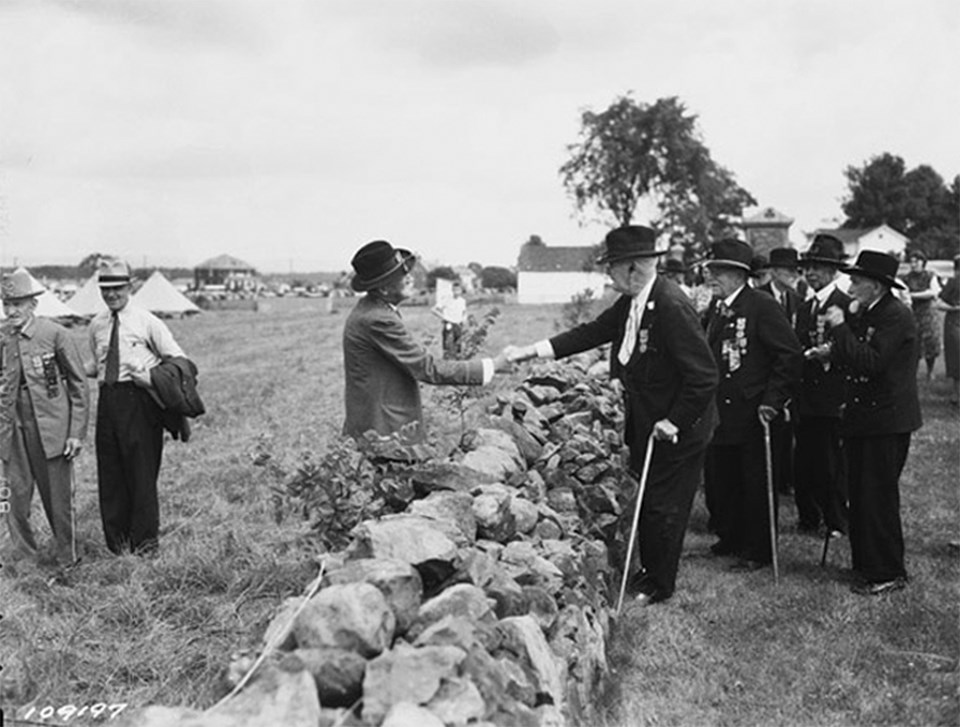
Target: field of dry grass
{"x": 729, "y": 649}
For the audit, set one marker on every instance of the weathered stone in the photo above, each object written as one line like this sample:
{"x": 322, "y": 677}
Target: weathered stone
{"x": 529, "y": 446}
{"x": 338, "y": 674}
{"x": 353, "y": 616}
{"x": 563, "y": 555}
{"x": 398, "y": 581}
{"x": 477, "y": 566}
{"x": 452, "y": 509}
{"x": 434, "y": 476}
{"x": 454, "y": 631}
{"x": 546, "y": 529}
{"x": 562, "y": 499}
{"x": 541, "y": 605}
{"x": 407, "y": 714}
{"x": 409, "y": 538}
{"x": 464, "y": 600}
{"x": 507, "y": 593}
{"x": 458, "y": 701}
{"x": 491, "y": 437}
{"x": 492, "y": 462}
{"x": 525, "y": 514}
{"x": 541, "y": 394}
{"x": 280, "y": 629}
{"x": 522, "y": 562}
{"x": 494, "y": 517}
{"x": 550, "y": 670}
{"x": 406, "y": 674}
{"x": 534, "y": 488}
{"x": 519, "y": 683}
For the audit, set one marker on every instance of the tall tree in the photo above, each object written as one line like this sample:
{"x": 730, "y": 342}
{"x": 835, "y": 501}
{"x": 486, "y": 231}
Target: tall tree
{"x": 635, "y": 152}
{"x": 877, "y": 193}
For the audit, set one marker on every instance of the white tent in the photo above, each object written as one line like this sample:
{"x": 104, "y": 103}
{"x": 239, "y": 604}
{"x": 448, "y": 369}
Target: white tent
{"x": 87, "y": 301}
{"x": 158, "y": 295}
{"x": 48, "y": 305}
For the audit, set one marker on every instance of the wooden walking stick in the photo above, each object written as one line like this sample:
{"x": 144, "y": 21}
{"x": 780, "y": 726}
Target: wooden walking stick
{"x": 826, "y": 547}
{"x": 636, "y": 521}
{"x": 771, "y": 499}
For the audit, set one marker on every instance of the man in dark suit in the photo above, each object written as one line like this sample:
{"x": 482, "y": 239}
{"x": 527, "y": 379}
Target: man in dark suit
{"x": 660, "y": 356}
{"x": 759, "y": 359}
{"x": 877, "y": 343}
{"x": 382, "y": 362}
{"x": 819, "y": 485}
{"x": 784, "y": 286}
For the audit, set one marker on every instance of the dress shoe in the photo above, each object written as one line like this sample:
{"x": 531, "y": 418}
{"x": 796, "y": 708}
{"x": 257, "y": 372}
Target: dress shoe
{"x": 878, "y": 588}
{"x": 745, "y": 565}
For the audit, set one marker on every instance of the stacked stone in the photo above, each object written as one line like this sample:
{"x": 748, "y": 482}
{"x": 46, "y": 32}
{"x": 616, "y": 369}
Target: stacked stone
{"x": 484, "y": 603}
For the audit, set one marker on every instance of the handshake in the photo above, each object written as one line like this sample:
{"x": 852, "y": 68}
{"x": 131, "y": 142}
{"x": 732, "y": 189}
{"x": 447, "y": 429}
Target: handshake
{"x": 513, "y": 354}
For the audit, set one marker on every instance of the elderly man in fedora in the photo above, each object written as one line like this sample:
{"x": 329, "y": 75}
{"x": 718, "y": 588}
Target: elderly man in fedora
{"x": 44, "y": 407}
{"x": 876, "y": 341}
{"x": 661, "y": 357}
{"x": 759, "y": 359}
{"x": 382, "y": 362}
{"x": 819, "y": 474}
{"x": 127, "y": 342}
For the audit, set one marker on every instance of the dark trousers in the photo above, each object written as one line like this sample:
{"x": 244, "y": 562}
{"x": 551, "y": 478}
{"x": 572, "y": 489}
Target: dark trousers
{"x": 129, "y": 442}
{"x": 876, "y": 535}
{"x": 671, "y": 485}
{"x": 819, "y": 485}
{"x": 452, "y": 332}
{"x": 735, "y": 479}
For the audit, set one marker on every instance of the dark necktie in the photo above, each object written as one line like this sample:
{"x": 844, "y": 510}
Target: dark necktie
{"x": 112, "y": 372}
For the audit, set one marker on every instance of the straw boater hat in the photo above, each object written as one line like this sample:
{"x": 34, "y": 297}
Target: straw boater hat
{"x": 629, "y": 242}
{"x": 113, "y": 274}
{"x": 824, "y": 250}
{"x": 878, "y": 266}
{"x": 378, "y": 262}
{"x": 730, "y": 253}
{"x": 18, "y": 286}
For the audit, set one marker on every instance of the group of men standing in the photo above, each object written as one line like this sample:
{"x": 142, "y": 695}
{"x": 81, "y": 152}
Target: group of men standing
{"x": 45, "y": 407}
{"x": 701, "y": 390}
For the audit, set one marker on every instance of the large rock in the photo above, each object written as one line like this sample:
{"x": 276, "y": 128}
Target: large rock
{"x": 529, "y": 446}
{"x": 398, "y": 581}
{"x": 493, "y": 513}
{"x": 435, "y": 476}
{"x": 492, "y": 462}
{"x": 353, "y": 616}
{"x": 409, "y": 538}
{"x": 551, "y": 671}
{"x": 493, "y": 437}
{"x": 458, "y": 701}
{"x": 525, "y": 514}
{"x": 338, "y": 673}
{"x": 407, "y": 714}
{"x": 453, "y": 512}
{"x": 406, "y": 674}
{"x": 522, "y": 562}
{"x": 463, "y": 600}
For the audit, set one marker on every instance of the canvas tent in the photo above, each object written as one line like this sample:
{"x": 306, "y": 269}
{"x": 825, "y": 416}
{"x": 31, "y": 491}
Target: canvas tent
{"x": 87, "y": 301}
{"x": 48, "y": 305}
{"x": 159, "y": 296}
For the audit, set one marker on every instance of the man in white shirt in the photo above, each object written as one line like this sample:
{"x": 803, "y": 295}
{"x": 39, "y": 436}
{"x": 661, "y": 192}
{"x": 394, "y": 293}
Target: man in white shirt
{"x": 127, "y": 341}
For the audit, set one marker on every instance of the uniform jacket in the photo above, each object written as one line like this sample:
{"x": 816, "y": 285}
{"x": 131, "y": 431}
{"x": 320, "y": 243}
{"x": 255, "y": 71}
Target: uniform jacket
{"x": 382, "y": 365}
{"x": 791, "y": 300}
{"x": 822, "y": 389}
{"x": 671, "y": 373}
{"x": 759, "y": 359}
{"x": 55, "y": 378}
{"x": 879, "y": 348}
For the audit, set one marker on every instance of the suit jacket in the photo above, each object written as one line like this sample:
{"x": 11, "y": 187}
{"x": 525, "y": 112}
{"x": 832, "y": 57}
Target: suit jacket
{"x": 55, "y": 379}
{"x": 822, "y": 389}
{"x": 791, "y": 300}
{"x": 879, "y": 349}
{"x": 759, "y": 359}
{"x": 174, "y": 386}
{"x": 382, "y": 365}
{"x": 671, "y": 373}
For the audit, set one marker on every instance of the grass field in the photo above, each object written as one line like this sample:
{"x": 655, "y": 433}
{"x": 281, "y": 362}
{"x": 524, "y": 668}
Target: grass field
{"x": 728, "y": 649}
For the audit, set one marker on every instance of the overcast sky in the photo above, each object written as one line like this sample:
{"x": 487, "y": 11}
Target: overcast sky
{"x": 290, "y": 132}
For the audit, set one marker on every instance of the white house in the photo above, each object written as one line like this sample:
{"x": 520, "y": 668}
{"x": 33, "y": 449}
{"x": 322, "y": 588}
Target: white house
{"x": 882, "y": 239}
{"x": 556, "y": 274}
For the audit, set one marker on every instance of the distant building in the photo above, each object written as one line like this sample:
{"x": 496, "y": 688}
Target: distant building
{"x": 227, "y": 271}
{"x": 882, "y": 239}
{"x": 556, "y": 274}
{"x": 766, "y": 230}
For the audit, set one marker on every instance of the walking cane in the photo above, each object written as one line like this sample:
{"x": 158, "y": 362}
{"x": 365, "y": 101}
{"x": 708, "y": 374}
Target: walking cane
{"x": 636, "y": 521}
{"x": 826, "y": 547}
{"x": 771, "y": 507}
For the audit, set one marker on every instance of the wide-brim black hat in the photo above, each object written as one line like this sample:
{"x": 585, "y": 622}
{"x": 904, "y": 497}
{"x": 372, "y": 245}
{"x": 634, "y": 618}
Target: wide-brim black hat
{"x": 784, "y": 257}
{"x": 730, "y": 252}
{"x": 876, "y": 265}
{"x": 824, "y": 250}
{"x": 672, "y": 265}
{"x": 629, "y": 242}
{"x": 377, "y": 262}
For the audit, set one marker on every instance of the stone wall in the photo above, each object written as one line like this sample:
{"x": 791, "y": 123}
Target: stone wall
{"x": 486, "y": 602}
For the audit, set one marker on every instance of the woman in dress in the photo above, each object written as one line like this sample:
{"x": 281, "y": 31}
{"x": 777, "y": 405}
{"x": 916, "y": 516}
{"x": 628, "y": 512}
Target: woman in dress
{"x": 924, "y": 288}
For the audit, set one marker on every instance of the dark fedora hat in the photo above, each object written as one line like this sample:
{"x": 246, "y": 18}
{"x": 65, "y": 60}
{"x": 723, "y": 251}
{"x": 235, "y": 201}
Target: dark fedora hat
{"x": 377, "y": 262}
{"x": 759, "y": 264}
{"x": 731, "y": 253}
{"x": 784, "y": 257}
{"x": 877, "y": 265}
{"x": 824, "y": 250}
{"x": 629, "y": 242}
{"x": 18, "y": 285}
{"x": 672, "y": 265}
